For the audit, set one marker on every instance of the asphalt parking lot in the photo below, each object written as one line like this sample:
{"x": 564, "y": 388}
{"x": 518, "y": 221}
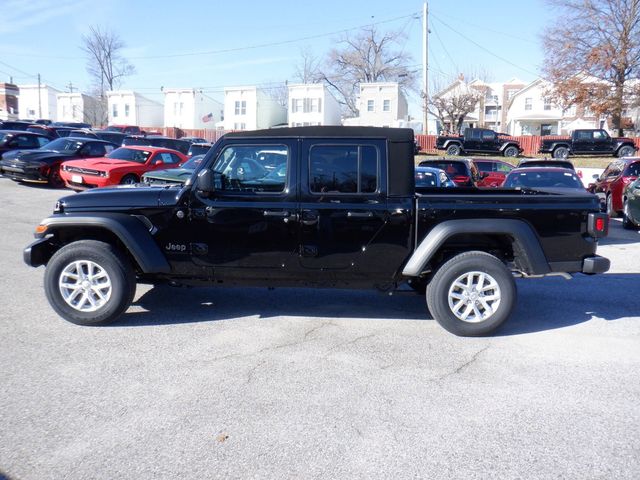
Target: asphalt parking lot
{"x": 292, "y": 383}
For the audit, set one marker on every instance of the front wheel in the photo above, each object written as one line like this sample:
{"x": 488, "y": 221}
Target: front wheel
{"x": 129, "y": 180}
{"x": 472, "y": 294}
{"x": 89, "y": 282}
{"x": 626, "y": 221}
{"x": 626, "y": 151}
{"x": 55, "y": 180}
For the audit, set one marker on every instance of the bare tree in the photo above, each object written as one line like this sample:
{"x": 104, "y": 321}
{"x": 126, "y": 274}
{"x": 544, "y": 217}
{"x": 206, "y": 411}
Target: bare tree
{"x": 308, "y": 70}
{"x": 105, "y": 62}
{"x": 591, "y": 54}
{"x": 368, "y": 56}
{"x": 452, "y": 104}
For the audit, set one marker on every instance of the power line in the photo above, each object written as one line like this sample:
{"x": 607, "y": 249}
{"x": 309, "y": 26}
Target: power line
{"x": 453, "y": 62}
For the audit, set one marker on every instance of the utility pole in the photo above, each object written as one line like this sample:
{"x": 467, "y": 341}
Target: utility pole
{"x": 39, "y": 99}
{"x": 425, "y": 61}
{"x": 70, "y": 87}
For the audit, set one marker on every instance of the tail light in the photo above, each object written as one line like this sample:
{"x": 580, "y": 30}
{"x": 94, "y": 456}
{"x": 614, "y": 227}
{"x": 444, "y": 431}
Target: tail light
{"x": 462, "y": 179}
{"x": 598, "y": 225}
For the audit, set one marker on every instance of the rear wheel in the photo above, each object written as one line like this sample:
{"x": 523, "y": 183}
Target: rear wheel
{"x": 561, "y": 152}
{"x": 511, "y": 151}
{"x": 89, "y": 282}
{"x": 610, "y": 211}
{"x": 454, "y": 149}
{"x": 626, "y": 221}
{"x": 626, "y": 151}
{"x": 129, "y": 180}
{"x": 472, "y": 294}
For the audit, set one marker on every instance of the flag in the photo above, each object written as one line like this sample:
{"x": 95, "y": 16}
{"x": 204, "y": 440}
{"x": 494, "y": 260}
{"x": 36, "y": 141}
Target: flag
{"x": 208, "y": 117}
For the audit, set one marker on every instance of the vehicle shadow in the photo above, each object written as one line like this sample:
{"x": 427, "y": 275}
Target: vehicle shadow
{"x": 618, "y": 235}
{"x": 543, "y": 304}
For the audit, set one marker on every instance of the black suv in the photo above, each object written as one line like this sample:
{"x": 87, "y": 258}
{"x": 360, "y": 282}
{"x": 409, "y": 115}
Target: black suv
{"x": 462, "y": 171}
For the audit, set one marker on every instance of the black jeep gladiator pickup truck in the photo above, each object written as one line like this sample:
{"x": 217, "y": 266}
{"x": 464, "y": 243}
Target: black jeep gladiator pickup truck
{"x": 479, "y": 140}
{"x": 336, "y": 207}
{"x": 588, "y": 142}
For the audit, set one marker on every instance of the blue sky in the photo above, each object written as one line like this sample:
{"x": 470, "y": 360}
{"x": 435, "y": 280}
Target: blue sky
{"x": 165, "y": 40}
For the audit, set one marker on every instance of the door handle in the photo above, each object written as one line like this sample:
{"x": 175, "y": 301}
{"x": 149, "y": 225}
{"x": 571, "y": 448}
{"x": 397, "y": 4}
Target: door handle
{"x": 359, "y": 214}
{"x": 278, "y": 213}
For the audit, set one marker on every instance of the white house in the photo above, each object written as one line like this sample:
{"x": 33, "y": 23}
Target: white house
{"x": 312, "y": 104}
{"x": 191, "y": 109}
{"x": 78, "y": 107}
{"x": 249, "y": 108}
{"x": 8, "y": 101}
{"x": 380, "y": 104}
{"x": 532, "y": 112}
{"x": 126, "y": 107}
{"x": 38, "y": 102}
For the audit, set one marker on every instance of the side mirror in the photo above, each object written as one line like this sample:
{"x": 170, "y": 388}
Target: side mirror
{"x": 595, "y": 176}
{"x": 206, "y": 181}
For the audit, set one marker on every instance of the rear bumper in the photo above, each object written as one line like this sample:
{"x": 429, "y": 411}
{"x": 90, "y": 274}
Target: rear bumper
{"x": 595, "y": 264}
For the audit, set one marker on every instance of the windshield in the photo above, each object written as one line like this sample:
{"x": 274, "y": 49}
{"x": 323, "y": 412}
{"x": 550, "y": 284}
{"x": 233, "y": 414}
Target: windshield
{"x": 542, "y": 179}
{"x": 64, "y": 145}
{"x": 130, "y": 154}
{"x": 193, "y": 163}
{"x": 198, "y": 149}
{"x": 114, "y": 129}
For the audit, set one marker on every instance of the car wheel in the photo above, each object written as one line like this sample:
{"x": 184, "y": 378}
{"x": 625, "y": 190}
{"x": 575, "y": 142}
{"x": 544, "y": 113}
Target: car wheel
{"x": 610, "y": 210}
{"x": 626, "y": 221}
{"x": 472, "y": 294}
{"x": 454, "y": 150}
{"x": 561, "y": 152}
{"x": 129, "y": 180}
{"x": 626, "y": 151}
{"x": 55, "y": 180}
{"x": 511, "y": 152}
{"x": 89, "y": 282}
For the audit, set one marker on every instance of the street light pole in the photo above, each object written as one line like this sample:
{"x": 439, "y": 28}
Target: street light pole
{"x": 425, "y": 61}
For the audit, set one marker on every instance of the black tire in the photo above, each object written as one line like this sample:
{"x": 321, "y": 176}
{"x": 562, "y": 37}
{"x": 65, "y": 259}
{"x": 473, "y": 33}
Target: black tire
{"x": 114, "y": 263}
{"x": 419, "y": 285}
{"x": 129, "y": 180}
{"x": 511, "y": 151}
{"x": 626, "y": 151}
{"x": 561, "y": 152}
{"x": 626, "y": 221}
{"x": 55, "y": 180}
{"x": 441, "y": 291}
{"x": 454, "y": 150}
{"x": 609, "y": 203}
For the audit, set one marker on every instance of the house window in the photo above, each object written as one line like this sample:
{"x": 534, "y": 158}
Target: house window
{"x": 547, "y": 104}
{"x": 528, "y": 103}
{"x": 386, "y": 105}
{"x": 126, "y": 109}
{"x": 115, "y": 110}
{"x": 571, "y": 111}
{"x": 241, "y": 107}
{"x": 510, "y": 94}
{"x": 370, "y": 105}
{"x": 240, "y": 126}
{"x": 296, "y": 105}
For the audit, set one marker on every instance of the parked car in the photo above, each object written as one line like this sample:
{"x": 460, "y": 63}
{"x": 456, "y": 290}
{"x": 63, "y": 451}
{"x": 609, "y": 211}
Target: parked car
{"x": 15, "y": 125}
{"x": 113, "y": 137}
{"x": 588, "y": 142}
{"x": 82, "y": 133}
{"x": 124, "y": 165}
{"x": 492, "y": 172}
{"x": 546, "y": 162}
{"x": 462, "y": 171}
{"x": 174, "y": 175}
{"x": 543, "y": 177}
{"x": 427, "y": 177}
{"x": 198, "y": 149}
{"x": 127, "y": 129}
{"x": 610, "y": 185}
{"x": 17, "y": 140}
{"x": 164, "y": 142}
{"x": 43, "y": 121}
{"x": 43, "y": 164}
{"x": 71, "y": 124}
{"x": 50, "y": 131}
{"x": 631, "y": 205}
{"x": 194, "y": 140}
{"x": 479, "y": 140}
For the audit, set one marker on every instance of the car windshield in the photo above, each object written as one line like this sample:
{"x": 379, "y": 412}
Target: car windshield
{"x": 113, "y": 129}
{"x": 64, "y": 145}
{"x": 130, "y": 154}
{"x": 540, "y": 179}
{"x": 193, "y": 163}
{"x": 426, "y": 179}
{"x": 198, "y": 149}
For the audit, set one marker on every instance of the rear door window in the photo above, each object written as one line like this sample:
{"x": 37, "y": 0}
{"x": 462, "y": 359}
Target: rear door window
{"x": 343, "y": 169}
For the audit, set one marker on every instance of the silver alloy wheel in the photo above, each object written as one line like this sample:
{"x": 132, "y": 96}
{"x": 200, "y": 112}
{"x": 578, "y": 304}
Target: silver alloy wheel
{"x": 474, "y": 297}
{"x": 85, "y": 285}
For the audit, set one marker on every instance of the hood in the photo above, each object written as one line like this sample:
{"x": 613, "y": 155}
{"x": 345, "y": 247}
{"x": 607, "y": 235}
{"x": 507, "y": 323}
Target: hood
{"x": 171, "y": 174}
{"x": 102, "y": 163}
{"x": 38, "y": 155}
{"x": 123, "y": 197}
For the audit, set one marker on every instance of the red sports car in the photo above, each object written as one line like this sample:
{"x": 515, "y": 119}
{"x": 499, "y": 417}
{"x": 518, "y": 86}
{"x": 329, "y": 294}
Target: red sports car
{"x": 610, "y": 185}
{"x": 492, "y": 172}
{"x": 124, "y": 165}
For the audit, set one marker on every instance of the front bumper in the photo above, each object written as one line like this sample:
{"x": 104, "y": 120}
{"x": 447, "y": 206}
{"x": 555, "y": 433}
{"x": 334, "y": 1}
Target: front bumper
{"x": 24, "y": 173}
{"x": 38, "y": 253}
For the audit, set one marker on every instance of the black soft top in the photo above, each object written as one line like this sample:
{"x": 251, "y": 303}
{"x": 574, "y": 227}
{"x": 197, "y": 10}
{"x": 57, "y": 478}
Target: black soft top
{"x": 392, "y": 134}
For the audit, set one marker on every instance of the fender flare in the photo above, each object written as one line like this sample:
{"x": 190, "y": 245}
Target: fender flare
{"x": 510, "y": 144}
{"x": 454, "y": 142}
{"x": 524, "y": 238}
{"x": 130, "y": 230}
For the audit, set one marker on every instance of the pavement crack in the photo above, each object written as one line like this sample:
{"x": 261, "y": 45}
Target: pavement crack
{"x": 349, "y": 342}
{"x": 461, "y": 367}
{"x": 315, "y": 329}
{"x": 252, "y": 371}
